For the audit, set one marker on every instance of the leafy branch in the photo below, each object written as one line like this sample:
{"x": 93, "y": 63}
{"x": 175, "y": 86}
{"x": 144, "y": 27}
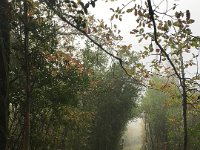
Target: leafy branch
{"x": 120, "y": 60}
{"x": 181, "y": 77}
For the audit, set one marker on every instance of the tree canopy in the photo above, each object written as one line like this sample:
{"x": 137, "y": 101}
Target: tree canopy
{"x": 68, "y": 81}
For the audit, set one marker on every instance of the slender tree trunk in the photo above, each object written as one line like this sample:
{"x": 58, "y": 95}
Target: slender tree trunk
{"x": 4, "y": 61}
{"x": 151, "y": 137}
{"x": 146, "y": 133}
{"x": 184, "y": 104}
{"x": 180, "y": 76}
{"x": 26, "y": 140}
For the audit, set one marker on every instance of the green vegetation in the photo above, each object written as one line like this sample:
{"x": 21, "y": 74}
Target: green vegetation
{"x": 161, "y": 108}
{"x": 67, "y": 80}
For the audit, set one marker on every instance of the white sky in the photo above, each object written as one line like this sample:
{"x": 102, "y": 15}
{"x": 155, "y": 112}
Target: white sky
{"x": 102, "y": 11}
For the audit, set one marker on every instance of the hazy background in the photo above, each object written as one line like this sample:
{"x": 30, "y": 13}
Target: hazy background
{"x": 133, "y": 135}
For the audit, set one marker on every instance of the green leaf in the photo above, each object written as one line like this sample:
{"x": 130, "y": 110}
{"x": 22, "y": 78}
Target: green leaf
{"x": 93, "y": 3}
{"x": 112, "y": 17}
{"x": 190, "y": 21}
{"x": 87, "y": 5}
{"x": 129, "y": 10}
{"x": 151, "y": 48}
{"x": 169, "y": 23}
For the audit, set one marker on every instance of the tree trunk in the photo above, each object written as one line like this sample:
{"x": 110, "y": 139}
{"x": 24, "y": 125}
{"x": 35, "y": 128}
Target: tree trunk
{"x": 4, "y": 60}
{"x": 26, "y": 140}
{"x": 181, "y": 76}
{"x": 184, "y": 104}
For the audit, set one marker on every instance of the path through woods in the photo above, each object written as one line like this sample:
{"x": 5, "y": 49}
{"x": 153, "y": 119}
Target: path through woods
{"x": 133, "y": 135}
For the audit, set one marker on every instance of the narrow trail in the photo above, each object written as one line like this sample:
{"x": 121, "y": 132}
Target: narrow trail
{"x": 133, "y": 135}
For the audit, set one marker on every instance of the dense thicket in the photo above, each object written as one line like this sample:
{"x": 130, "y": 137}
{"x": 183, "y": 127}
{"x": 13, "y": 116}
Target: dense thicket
{"x": 63, "y": 82}
{"x": 161, "y": 108}
{"x": 60, "y": 97}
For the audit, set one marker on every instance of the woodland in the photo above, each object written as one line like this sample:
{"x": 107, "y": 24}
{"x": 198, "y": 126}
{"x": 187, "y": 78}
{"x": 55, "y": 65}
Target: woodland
{"x": 68, "y": 82}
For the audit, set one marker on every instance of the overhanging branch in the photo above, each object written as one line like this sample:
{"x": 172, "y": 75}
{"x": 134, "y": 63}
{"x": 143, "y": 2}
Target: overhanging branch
{"x": 151, "y": 13}
{"x": 96, "y": 43}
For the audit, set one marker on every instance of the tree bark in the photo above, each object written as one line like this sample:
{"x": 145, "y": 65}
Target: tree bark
{"x": 184, "y": 104}
{"x": 4, "y": 61}
{"x": 26, "y": 140}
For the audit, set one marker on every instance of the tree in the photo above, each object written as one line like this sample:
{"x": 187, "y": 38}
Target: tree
{"x": 4, "y": 63}
{"x": 162, "y": 114}
{"x": 51, "y": 74}
{"x": 169, "y": 34}
{"x": 49, "y": 81}
{"x": 114, "y": 102}
{"x": 183, "y": 26}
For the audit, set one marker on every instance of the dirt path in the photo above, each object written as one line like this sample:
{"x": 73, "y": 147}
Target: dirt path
{"x": 133, "y": 135}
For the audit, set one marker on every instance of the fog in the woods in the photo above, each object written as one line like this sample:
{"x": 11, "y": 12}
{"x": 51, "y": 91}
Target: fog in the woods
{"x": 134, "y": 134}
{"x": 99, "y": 75}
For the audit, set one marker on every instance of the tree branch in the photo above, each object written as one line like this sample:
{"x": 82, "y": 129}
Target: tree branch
{"x": 151, "y": 13}
{"x": 96, "y": 43}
